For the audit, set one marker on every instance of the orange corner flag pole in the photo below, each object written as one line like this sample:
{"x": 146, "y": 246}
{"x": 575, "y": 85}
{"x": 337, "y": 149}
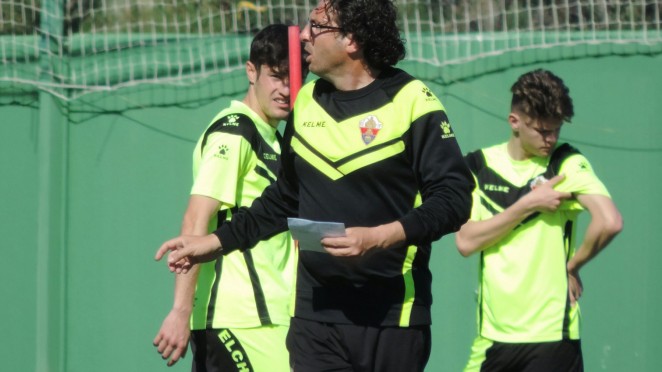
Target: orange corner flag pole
{"x": 295, "y": 62}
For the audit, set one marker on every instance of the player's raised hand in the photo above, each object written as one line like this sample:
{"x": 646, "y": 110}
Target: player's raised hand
{"x": 543, "y": 197}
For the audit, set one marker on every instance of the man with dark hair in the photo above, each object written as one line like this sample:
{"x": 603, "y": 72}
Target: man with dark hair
{"x": 371, "y": 147}
{"x": 238, "y": 305}
{"x": 529, "y": 193}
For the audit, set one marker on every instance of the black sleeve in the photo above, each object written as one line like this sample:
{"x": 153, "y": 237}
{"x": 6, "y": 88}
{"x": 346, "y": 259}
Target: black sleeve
{"x": 444, "y": 180}
{"x": 267, "y": 216}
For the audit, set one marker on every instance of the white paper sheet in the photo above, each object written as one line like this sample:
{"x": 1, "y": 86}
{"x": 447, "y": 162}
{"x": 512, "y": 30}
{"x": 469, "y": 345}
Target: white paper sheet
{"x": 310, "y": 233}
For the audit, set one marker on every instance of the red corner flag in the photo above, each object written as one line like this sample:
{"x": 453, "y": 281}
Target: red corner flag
{"x": 295, "y": 62}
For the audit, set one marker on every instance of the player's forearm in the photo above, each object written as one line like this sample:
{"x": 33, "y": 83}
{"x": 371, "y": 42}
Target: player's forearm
{"x": 476, "y": 236}
{"x": 185, "y": 282}
{"x": 606, "y": 223}
{"x": 599, "y": 234}
{"x": 195, "y": 223}
{"x": 185, "y": 290}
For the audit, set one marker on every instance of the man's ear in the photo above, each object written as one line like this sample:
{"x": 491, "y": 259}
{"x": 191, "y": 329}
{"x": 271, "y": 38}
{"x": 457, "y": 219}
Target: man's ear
{"x": 251, "y": 72}
{"x": 351, "y": 46}
{"x": 515, "y": 121}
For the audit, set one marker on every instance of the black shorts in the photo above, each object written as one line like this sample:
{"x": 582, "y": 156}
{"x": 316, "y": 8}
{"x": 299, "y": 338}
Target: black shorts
{"x": 316, "y": 346}
{"x": 565, "y": 355}
{"x": 240, "y": 349}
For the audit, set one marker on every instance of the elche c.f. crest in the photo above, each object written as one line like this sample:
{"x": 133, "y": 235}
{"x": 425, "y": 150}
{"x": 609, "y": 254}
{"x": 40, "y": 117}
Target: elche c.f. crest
{"x": 370, "y": 127}
{"x": 537, "y": 181}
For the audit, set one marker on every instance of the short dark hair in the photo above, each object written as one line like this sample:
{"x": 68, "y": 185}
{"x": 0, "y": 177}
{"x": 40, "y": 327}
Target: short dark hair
{"x": 372, "y": 24}
{"x": 270, "y": 47}
{"x": 540, "y": 94}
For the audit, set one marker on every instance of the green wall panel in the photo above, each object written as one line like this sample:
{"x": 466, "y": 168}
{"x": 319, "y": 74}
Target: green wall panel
{"x": 18, "y": 218}
{"x": 127, "y": 167}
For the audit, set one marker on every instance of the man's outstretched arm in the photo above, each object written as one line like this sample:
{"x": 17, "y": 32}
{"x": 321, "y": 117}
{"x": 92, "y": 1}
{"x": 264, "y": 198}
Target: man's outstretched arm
{"x": 187, "y": 250}
{"x": 265, "y": 217}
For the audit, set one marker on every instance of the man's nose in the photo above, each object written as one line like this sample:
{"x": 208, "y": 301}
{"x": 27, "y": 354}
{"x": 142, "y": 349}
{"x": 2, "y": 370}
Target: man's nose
{"x": 304, "y": 35}
{"x": 552, "y": 137}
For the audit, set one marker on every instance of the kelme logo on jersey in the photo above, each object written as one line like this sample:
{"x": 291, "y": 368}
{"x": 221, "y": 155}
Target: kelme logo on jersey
{"x": 370, "y": 127}
{"x": 267, "y": 156}
{"x": 232, "y": 121}
{"x": 446, "y": 131}
{"x": 428, "y": 94}
{"x": 314, "y": 124}
{"x": 496, "y": 188}
{"x": 222, "y": 152}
